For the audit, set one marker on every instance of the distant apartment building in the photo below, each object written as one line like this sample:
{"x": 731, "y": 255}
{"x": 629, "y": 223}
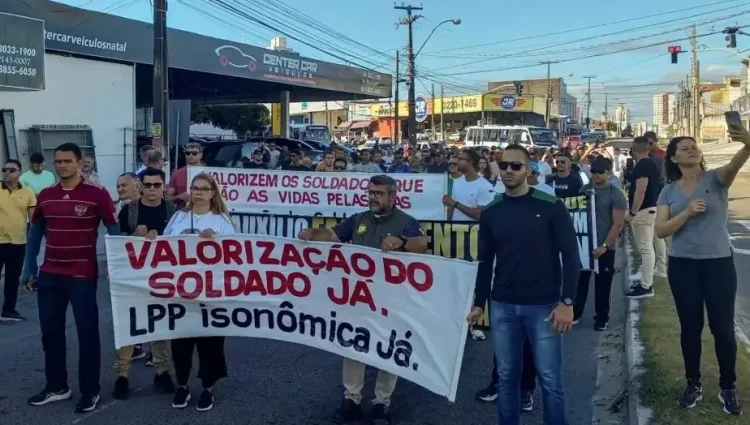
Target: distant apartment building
{"x": 664, "y": 108}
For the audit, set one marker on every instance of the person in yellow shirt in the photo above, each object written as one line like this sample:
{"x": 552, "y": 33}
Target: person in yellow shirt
{"x": 16, "y": 206}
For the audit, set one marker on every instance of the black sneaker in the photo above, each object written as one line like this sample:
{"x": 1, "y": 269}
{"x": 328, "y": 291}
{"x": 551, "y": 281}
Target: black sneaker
{"x": 11, "y": 316}
{"x": 163, "y": 382}
{"x": 728, "y": 399}
{"x": 87, "y": 404}
{"x": 348, "y": 412}
{"x": 600, "y": 325}
{"x": 138, "y": 352}
{"x": 639, "y": 293}
{"x": 379, "y": 415}
{"x": 527, "y": 402}
{"x": 488, "y": 393}
{"x": 149, "y": 362}
{"x": 47, "y": 396}
{"x": 691, "y": 396}
{"x": 122, "y": 389}
{"x": 181, "y": 398}
{"x": 205, "y": 401}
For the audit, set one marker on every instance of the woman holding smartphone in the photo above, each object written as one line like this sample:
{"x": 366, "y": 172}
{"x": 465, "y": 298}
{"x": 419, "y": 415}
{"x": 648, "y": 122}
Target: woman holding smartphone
{"x": 692, "y": 208}
{"x": 206, "y": 215}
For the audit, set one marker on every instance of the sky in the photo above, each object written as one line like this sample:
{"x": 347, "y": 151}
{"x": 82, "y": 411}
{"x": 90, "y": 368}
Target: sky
{"x": 623, "y": 44}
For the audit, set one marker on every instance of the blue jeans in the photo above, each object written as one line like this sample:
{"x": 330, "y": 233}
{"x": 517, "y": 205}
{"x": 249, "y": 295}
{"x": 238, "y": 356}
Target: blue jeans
{"x": 54, "y": 294}
{"x": 510, "y": 324}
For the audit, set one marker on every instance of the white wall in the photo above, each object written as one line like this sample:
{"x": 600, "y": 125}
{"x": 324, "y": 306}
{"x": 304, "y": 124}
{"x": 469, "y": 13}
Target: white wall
{"x": 80, "y": 91}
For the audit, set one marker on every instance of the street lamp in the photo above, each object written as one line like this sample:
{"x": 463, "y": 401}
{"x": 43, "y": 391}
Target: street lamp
{"x": 412, "y": 123}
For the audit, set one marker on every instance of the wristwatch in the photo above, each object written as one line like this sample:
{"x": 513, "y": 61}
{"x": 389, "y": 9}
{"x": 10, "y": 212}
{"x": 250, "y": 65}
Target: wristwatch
{"x": 567, "y": 301}
{"x": 605, "y": 246}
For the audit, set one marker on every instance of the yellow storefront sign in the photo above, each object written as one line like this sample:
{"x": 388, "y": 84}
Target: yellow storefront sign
{"x": 508, "y": 102}
{"x": 276, "y": 119}
{"x": 385, "y": 109}
{"x": 459, "y": 104}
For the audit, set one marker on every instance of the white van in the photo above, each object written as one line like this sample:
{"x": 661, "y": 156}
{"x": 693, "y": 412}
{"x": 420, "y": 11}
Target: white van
{"x": 503, "y": 135}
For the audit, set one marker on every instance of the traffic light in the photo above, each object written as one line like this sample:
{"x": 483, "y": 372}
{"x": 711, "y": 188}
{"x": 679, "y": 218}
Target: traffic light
{"x": 675, "y": 50}
{"x": 519, "y": 87}
{"x": 731, "y": 37}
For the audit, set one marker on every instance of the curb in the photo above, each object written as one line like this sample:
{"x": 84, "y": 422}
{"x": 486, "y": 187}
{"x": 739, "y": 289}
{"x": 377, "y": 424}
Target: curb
{"x": 637, "y": 413}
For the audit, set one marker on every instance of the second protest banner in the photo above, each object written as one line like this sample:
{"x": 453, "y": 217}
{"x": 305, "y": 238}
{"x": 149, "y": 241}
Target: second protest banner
{"x": 331, "y": 194}
{"x": 398, "y": 312}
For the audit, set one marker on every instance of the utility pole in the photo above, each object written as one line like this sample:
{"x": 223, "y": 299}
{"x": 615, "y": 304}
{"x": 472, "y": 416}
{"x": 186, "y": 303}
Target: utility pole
{"x": 548, "y": 103}
{"x": 696, "y": 92}
{"x": 410, "y": 71}
{"x": 432, "y": 114}
{"x": 160, "y": 115}
{"x": 588, "y": 102}
{"x": 442, "y": 128}
{"x": 396, "y": 121}
{"x": 605, "y": 109}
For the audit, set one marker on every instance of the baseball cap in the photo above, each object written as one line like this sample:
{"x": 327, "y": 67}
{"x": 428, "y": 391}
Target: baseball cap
{"x": 534, "y": 165}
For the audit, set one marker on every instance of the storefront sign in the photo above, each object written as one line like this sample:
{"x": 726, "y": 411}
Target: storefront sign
{"x": 714, "y": 132}
{"x": 508, "y": 102}
{"x": 458, "y": 104}
{"x": 96, "y": 34}
{"x": 21, "y": 52}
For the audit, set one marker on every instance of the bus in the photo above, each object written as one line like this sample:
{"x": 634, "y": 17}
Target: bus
{"x": 503, "y": 135}
{"x": 315, "y": 132}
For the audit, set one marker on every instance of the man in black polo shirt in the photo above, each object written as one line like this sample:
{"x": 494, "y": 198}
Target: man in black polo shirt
{"x": 384, "y": 227}
{"x": 642, "y": 198}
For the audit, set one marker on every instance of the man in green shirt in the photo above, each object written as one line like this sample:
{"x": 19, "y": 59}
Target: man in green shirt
{"x": 37, "y": 178}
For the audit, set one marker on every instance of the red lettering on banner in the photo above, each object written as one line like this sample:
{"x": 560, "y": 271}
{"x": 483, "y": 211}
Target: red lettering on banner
{"x": 137, "y": 260}
{"x": 410, "y": 185}
{"x": 191, "y": 284}
{"x": 335, "y": 183}
{"x": 397, "y": 273}
{"x": 265, "y": 256}
{"x": 299, "y": 198}
{"x": 247, "y": 179}
{"x": 359, "y": 295}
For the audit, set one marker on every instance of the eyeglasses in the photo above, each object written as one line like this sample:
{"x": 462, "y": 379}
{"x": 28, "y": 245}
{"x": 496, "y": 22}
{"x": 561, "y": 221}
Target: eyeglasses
{"x": 10, "y": 170}
{"x": 152, "y": 185}
{"x": 201, "y": 189}
{"x": 192, "y": 153}
{"x": 514, "y": 165}
{"x": 376, "y": 193}
{"x": 561, "y": 161}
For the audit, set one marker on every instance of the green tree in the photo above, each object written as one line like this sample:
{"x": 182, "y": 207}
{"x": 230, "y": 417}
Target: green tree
{"x": 611, "y": 126}
{"x": 239, "y": 118}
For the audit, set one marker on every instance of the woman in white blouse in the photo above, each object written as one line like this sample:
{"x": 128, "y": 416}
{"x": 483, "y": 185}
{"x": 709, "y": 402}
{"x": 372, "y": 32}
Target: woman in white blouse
{"x": 205, "y": 215}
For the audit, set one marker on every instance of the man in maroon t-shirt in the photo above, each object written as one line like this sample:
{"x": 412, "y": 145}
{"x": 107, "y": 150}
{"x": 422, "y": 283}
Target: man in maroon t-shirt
{"x": 68, "y": 214}
{"x": 178, "y": 183}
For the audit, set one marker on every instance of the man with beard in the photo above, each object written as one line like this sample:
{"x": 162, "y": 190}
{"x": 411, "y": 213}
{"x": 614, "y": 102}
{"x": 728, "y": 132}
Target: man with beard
{"x": 533, "y": 290}
{"x": 387, "y": 228}
{"x": 365, "y": 165}
{"x": 565, "y": 181}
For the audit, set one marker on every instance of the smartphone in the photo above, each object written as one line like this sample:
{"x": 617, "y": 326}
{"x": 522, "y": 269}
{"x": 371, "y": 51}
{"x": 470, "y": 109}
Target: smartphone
{"x": 733, "y": 118}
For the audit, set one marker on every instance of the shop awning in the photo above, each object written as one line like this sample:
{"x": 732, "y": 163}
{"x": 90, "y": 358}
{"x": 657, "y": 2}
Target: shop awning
{"x": 361, "y": 124}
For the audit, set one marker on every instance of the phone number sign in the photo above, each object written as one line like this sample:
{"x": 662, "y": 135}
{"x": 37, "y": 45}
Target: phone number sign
{"x": 21, "y": 53}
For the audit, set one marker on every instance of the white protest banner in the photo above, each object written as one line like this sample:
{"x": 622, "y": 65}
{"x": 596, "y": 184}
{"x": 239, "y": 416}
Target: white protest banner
{"x": 400, "y": 312}
{"x": 329, "y": 194}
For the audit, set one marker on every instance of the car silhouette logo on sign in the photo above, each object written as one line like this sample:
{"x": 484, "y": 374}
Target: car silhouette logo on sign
{"x": 508, "y": 102}
{"x": 233, "y": 56}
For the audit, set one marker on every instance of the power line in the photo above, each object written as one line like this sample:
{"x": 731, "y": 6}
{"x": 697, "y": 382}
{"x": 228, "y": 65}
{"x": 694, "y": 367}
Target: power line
{"x": 587, "y": 27}
{"x": 596, "y": 55}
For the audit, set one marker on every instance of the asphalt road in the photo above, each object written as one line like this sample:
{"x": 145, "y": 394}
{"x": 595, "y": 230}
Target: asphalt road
{"x": 739, "y": 231}
{"x": 275, "y": 383}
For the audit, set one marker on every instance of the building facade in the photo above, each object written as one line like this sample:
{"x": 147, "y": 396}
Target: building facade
{"x": 664, "y": 105}
{"x": 562, "y": 102}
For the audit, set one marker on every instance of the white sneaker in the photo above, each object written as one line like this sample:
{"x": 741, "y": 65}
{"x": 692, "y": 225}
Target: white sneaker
{"x": 637, "y": 276}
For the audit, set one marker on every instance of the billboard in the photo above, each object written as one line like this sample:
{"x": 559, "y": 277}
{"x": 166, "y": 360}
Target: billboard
{"x": 21, "y": 52}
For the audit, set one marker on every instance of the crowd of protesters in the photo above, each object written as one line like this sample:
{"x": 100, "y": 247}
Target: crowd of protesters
{"x": 530, "y": 274}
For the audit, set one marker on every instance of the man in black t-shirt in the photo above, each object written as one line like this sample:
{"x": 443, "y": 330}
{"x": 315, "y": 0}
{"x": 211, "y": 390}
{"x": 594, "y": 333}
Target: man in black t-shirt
{"x": 149, "y": 215}
{"x": 642, "y": 197}
{"x": 566, "y": 182}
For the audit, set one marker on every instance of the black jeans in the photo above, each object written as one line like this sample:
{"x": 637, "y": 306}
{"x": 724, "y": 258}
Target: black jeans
{"x": 212, "y": 364}
{"x": 54, "y": 293}
{"x": 602, "y": 288}
{"x": 528, "y": 373}
{"x": 11, "y": 259}
{"x": 713, "y": 283}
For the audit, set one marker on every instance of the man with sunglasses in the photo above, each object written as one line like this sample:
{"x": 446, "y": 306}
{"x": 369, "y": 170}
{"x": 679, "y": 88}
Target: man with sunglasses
{"x": 178, "y": 186}
{"x": 530, "y": 290}
{"x": 147, "y": 216}
{"x": 566, "y": 182}
{"x": 17, "y": 203}
{"x": 387, "y": 228}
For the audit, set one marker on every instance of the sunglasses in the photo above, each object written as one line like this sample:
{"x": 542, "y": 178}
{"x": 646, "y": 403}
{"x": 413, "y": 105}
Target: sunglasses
{"x": 514, "y": 165}
{"x": 561, "y": 161}
{"x": 192, "y": 153}
{"x": 598, "y": 171}
{"x": 10, "y": 170}
{"x": 152, "y": 185}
